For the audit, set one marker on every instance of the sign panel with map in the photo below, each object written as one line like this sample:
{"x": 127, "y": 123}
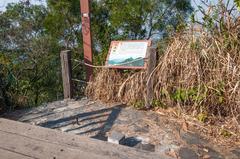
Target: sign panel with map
{"x": 128, "y": 54}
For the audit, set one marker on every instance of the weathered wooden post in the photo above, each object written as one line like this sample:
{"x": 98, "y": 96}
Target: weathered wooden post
{"x": 67, "y": 74}
{"x": 151, "y": 63}
{"x": 87, "y": 39}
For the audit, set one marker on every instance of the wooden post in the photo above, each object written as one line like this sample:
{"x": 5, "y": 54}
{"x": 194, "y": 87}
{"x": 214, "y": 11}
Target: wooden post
{"x": 86, "y": 32}
{"x": 151, "y": 63}
{"x": 67, "y": 74}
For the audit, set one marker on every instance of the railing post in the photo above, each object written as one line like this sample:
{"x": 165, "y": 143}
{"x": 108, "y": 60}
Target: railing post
{"x": 67, "y": 74}
{"x": 151, "y": 63}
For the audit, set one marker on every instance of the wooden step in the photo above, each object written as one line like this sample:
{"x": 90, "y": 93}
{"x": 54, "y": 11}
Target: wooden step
{"x": 20, "y": 140}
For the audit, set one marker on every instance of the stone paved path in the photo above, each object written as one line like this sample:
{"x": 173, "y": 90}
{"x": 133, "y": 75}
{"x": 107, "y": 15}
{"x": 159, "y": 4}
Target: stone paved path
{"x": 144, "y": 130}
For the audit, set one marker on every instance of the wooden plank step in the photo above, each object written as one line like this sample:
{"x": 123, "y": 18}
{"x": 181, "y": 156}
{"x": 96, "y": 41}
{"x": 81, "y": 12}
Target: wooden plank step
{"x": 36, "y": 142}
{"x": 6, "y": 154}
{"x": 40, "y": 149}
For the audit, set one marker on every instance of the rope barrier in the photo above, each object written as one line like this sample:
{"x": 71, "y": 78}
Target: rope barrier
{"x": 84, "y": 63}
{"x": 80, "y": 81}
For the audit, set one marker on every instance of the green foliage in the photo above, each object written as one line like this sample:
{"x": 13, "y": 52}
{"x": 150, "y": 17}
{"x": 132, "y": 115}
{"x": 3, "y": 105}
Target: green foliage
{"x": 135, "y": 19}
{"x": 225, "y": 133}
{"x": 237, "y": 3}
{"x": 63, "y": 22}
{"x": 215, "y": 15}
{"x": 139, "y": 104}
{"x": 194, "y": 45}
{"x": 30, "y": 57}
{"x": 159, "y": 104}
{"x": 191, "y": 95}
{"x": 220, "y": 90}
{"x": 31, "y": 37}
{"x": 141, "y": 19}
{"x": 181, "y": 95}
{"x": 202, "y": 117}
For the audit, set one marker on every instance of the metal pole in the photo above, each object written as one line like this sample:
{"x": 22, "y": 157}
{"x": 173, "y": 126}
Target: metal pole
{"x": 86, "y": 32}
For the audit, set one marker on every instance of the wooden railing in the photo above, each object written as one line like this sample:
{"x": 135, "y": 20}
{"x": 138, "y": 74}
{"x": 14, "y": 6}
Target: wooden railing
{"x": 66, "y": 62}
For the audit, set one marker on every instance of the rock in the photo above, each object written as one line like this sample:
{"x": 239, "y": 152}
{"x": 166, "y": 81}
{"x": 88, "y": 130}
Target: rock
{"x": 192, "y": 139}
{"x": 144, "y": 129}
{"x": 116, "y": 138}
{"x": 236, "y": 152}
{"x": 131, "y": 141}
{"x": 146, "y": 147}
{"x": 186, "y": 153}
{"x": 166, "y": 148}
{"x": 214, "y": 154}
{"x": 144, "y": 140}
{"x": 206, "y": 157}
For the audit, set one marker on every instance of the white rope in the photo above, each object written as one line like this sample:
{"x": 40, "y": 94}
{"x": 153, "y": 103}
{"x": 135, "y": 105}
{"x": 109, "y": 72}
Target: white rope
{"x": 84, "y": 63}
{"x": 80, "y": 81}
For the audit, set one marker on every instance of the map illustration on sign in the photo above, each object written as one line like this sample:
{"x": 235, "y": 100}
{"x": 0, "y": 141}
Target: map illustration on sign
{"x": 127, "y": 53}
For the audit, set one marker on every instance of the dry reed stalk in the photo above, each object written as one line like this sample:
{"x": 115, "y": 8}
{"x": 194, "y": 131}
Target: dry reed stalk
{"x": 198, "y": 71}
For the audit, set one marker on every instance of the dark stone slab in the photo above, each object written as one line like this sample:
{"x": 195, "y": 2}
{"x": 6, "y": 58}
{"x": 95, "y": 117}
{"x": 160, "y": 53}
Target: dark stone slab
{"x": 211, "y": 153}
{"x": 144, "y": 129}
{"x": 146, "y": 147}
{"x": 121, "y": 122}
{"x": 186, "y": 153}
{"x": 214, "y": 154}
{"x": 236, "y": 152}
{"x": 131, "y": 141}
{"x": 192, "y": 139}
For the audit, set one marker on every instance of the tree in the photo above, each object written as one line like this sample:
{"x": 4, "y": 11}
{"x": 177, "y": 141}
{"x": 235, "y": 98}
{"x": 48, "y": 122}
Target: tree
{"x": 142, "y": 19}
{"x": 237, "y": 2}
{"x": 215, "y": 15}
{"x": 63, "y": 22}
{"x": 31, "y": 37}
{"x": 116, "y": 19}
{"x": 32, "y": 54}
{"x": 3, "y": 97}
{"x": 135, "y": 19}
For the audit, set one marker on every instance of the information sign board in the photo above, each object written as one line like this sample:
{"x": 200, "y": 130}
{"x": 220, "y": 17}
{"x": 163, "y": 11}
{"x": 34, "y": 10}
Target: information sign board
{"x": 128, "y": 54}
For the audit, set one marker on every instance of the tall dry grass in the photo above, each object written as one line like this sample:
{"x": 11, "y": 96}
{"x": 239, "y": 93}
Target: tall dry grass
{"x": 199, "y": 72}
{"x": 111, "y": 85}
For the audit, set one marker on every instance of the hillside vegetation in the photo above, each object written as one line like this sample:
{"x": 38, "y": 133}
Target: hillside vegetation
{"x": 32, "y": 36}
{"x": 198, "y": 74}
{"x": 198, "y": 48}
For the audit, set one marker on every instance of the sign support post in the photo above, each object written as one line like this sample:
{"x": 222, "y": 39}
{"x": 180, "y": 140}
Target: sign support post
{"x": 151, "y": 63}
{"x": 87, "y": 40}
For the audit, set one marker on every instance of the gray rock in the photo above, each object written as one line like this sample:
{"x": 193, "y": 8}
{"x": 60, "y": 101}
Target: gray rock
{"x": 186, "y": 153}
{"x": 236, "y": 152}
{"x": 146, "y": 147}
{"x": 116, "y": 138}
{"x": 192, "y": 139}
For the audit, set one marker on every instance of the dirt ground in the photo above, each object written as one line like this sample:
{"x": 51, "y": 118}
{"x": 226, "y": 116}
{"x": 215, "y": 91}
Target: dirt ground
{"x": 155, "y": 131}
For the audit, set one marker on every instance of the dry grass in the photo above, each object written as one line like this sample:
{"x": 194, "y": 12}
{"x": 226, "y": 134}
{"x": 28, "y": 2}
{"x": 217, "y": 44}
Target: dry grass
{"x": 197, "y": 78}
{"x": 115, "y": 86}
{"x": 199, "y": 72}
